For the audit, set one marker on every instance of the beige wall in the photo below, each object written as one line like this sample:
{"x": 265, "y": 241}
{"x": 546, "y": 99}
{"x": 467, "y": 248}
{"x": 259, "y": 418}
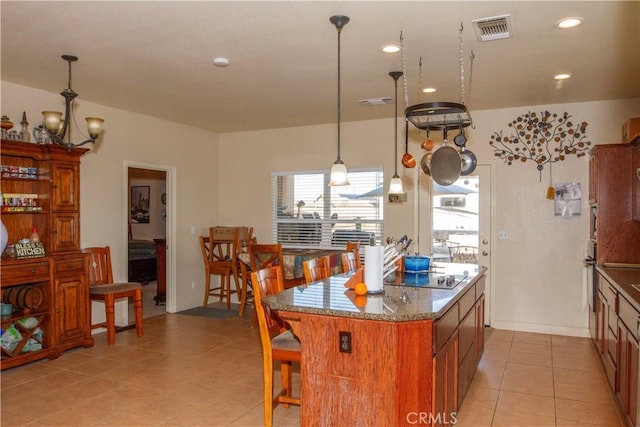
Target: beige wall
{"x": 537, "y": 273}
{"x": 131, "y": 137}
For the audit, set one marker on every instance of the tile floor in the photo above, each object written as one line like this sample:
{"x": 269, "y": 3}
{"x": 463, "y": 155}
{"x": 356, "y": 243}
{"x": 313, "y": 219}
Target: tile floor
{"x": 194, "y": 371}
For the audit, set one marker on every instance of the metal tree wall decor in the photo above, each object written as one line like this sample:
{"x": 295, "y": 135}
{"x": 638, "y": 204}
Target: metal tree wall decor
{"x": 542, "y": 138}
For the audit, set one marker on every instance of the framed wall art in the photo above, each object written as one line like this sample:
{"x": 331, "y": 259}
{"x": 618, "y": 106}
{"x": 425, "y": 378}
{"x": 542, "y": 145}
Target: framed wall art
{"x": 140, "y": 204}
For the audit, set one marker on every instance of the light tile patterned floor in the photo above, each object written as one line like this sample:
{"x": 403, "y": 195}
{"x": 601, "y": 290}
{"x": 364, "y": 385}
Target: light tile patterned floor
{"x": 193, "y": 371}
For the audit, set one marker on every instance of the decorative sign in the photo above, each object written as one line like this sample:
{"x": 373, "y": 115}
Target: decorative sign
{"x": 29, "y": 250}
{"x": 541, "y": 138}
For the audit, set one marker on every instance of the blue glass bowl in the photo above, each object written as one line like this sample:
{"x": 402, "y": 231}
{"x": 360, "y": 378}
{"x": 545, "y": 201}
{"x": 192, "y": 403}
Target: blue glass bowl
{"x": 416, "y": 263}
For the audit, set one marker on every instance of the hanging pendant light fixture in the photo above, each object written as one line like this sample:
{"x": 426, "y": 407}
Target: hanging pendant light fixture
{"x": 339, "y": 169}
{"x": 395, "y": 186}
{"x": 59, "y": 127}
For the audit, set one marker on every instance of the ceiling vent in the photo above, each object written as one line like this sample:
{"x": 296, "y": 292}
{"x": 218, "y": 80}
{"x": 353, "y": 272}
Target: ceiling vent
{"x": 375, "y": 101}
{"x": 494, "y": 28}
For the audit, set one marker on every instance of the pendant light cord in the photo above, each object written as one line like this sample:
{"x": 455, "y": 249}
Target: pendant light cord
{"x": 339, "y": 32}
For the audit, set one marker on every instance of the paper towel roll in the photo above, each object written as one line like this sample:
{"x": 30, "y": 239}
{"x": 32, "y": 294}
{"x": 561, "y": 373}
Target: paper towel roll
{"x": 373, "y": 266}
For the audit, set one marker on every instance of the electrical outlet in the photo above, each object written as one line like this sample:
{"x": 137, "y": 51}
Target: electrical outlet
{"x": 503, "y": 235}
{"x": 193, "y": 284}
{"x": 345, "y": 341}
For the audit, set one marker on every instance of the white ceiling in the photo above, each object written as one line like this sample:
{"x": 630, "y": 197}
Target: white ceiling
{"x": 155, "y": 58}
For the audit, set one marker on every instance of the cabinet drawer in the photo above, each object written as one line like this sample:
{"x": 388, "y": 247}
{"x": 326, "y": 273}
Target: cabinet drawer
{"x": 444, "y": 327}
{"x": 70, "y": 265}
{"x": 466, "y": 302}
{"x": 25, "y": 273}
{"x": 629, "y": 316}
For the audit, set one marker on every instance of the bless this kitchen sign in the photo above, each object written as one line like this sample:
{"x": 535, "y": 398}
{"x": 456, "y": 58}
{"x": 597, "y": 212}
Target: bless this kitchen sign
{"x": 29, "y": 250}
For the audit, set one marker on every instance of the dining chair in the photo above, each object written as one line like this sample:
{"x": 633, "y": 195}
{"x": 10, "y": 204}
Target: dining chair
{"x": 278, "y": 342}
{"x": 351, "y": 261}
{"x": 219, "y": 257}
{"x": 316, "y": 269}
{"x": 102, "y": 288}
{"x": 244, "y": 275}
{"x": 263, "y": 255}
{"x": 353, "y": 246}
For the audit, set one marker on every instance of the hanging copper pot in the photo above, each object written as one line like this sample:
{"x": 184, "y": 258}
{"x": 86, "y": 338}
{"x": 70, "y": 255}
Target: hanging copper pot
{"x": 407, "y": 159}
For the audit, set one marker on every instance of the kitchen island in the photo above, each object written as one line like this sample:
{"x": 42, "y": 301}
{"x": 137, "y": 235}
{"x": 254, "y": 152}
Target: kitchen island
{"x": 402, "y": 357}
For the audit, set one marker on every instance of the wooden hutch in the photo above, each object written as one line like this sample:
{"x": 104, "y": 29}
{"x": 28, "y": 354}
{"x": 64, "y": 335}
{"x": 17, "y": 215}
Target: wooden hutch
{"x": 50, "y": 294}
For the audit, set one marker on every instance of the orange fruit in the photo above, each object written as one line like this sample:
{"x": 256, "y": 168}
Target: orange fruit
{"x": 360, "y": 288}
{"x": 360, "y": 300}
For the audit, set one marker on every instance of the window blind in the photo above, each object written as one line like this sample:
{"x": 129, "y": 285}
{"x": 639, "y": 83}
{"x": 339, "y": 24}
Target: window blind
{"x": 308, "y": 213}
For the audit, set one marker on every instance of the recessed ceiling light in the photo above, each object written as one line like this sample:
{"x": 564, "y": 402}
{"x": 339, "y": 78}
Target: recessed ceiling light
{"x": 221, "y": 62}
{"x": 569, "y": 22}
{"x": 562, "y": 76}
{"x": 429, "y": 90}
{"x": 390, "y": 48}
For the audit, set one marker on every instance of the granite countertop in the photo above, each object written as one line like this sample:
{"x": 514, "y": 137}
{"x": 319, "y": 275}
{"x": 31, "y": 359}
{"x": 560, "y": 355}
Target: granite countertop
{"x": 400, "y": 301}
{"x": 624, "y": 278}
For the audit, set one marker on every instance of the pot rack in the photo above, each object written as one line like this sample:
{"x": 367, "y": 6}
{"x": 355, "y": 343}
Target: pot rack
{"x": 438, "y": 116}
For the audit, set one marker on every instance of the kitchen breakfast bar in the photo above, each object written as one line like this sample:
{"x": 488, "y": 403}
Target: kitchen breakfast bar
{"x": 402, "y": 357}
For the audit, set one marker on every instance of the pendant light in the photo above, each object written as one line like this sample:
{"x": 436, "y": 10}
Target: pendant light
{"x": 339, "y": 169}
{"x": 395, "y": 186}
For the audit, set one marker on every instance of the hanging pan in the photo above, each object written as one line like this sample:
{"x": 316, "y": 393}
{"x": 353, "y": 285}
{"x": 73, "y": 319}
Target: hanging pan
{"x": 468, "y": 162}
{"x": 425, "y": 163}
{"x": 460, "y": 139}
{"x": 407, "y": 159}
{"x": 445, "y": 164}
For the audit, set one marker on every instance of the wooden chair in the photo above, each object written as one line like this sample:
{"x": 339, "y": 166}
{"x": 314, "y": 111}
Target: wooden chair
{"x": 353, "y": 246}
{"x": 351, "y": 261}
{"x": 219, "y": 257}
{"x": 278, "y": 342}
{"x": 102, "y": 288}
{"x": 244, "y": 275}
{"x": 316, "y": 269}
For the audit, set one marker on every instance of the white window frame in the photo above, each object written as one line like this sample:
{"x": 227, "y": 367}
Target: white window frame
{"x": 319, "y": 232}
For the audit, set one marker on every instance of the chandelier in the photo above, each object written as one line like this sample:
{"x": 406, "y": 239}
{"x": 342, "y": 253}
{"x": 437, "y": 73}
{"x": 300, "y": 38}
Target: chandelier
{"x": 58, "y": 126}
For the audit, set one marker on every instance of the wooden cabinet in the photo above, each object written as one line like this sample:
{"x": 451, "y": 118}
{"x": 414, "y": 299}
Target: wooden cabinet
{"x": 635, "y": 183}
{"x": 444, "y": 400}
{"x": 41, "y": 189}
{"x": 610, "y": 193}
{"x": 627, "y": 379}
{"x": 618, "y": 344}
{"x": 28, "y": 333}
{"x": 71, "y": 304}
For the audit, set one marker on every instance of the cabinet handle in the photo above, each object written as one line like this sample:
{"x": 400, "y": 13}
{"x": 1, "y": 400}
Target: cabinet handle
{"x": 33, "y": 271}
{"x": 54, "y": 232}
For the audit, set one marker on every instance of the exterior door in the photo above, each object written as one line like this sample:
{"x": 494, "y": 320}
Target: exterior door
{"x": 461, "y": 224}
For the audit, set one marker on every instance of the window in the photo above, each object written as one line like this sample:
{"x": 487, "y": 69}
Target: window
{"x": 307, "y": 212}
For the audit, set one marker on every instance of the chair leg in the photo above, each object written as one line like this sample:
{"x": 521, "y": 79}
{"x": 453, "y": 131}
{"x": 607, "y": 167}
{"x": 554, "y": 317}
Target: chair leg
{"x": 285, "y": 370}
{"x": 137, "y": 305}
{"x": 110, "y": 312}
{"x": 206, "y": 289}
{"x": 267, "y": 363}
{"x": 228, "y": 290}
{"x": 243, "y": 296}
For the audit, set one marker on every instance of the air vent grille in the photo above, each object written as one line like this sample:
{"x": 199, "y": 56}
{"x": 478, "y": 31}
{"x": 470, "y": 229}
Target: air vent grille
{"x": 375, "y": 101}
{"x": 494, "y": 28}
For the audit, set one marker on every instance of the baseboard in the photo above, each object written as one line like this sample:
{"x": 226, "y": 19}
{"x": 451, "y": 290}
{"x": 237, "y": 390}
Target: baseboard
{"x": 542, "y": 329}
